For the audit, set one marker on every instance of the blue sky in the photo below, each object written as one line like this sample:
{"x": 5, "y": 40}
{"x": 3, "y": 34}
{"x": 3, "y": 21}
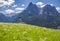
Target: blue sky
{"x": 55, "y": 2}
{"x": 12, "y": 6}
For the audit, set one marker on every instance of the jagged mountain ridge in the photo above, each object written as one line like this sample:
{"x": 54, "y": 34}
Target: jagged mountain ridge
{"x": 47, "y": 16}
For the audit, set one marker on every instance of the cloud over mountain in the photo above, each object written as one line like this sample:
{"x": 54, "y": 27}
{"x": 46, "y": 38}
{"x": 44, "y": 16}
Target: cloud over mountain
{"x": 9, "y": 11}
{"x": 40, "y": 4}
{"x": 19, "y": 9}
{"x": 58, "y": 9}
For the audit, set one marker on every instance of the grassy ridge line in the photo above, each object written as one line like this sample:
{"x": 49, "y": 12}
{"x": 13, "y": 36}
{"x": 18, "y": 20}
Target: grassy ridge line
{"x": 25, "y": 32}
{"x": 2, "y": 23}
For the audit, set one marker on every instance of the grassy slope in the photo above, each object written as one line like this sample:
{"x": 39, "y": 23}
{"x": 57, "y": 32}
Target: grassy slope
{"x": 24, "y": 32}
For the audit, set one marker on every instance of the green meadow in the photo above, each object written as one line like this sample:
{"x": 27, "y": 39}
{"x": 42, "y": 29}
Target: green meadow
{"x": 25, "y": 32}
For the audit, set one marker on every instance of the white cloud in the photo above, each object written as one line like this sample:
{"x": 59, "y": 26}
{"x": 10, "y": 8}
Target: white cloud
{"x": 58, "y": 9}
{"x": 23, "y": 5}
{"x": 51, "y": 4}
{"x": 9, "y": 11}
{"x": 6, "y": 3}
{"x": 19, "y": 9}
{"x": 40, "y": 4}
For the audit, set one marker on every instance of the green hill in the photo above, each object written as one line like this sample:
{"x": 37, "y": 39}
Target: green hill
{"x": 25, "y": 32}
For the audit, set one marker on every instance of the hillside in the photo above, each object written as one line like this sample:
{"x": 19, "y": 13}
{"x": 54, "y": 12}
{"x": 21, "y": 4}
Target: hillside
{"x": 25, "y": 32}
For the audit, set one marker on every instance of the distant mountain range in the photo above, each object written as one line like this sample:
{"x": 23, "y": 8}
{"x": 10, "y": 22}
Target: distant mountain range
{"x": 47, "y": 16}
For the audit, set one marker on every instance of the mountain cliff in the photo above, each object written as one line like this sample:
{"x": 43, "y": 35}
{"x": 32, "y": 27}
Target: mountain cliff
{"x": 47, "y": 16}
